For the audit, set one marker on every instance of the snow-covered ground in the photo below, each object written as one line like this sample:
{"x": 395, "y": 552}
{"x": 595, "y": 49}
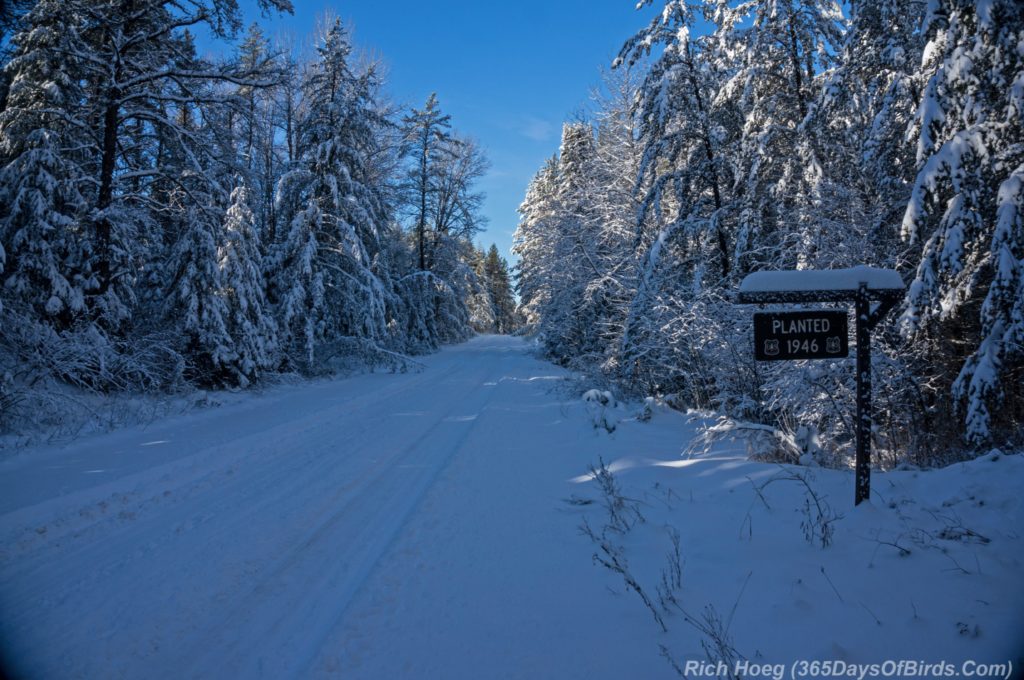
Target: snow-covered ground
{"x": 427, "y": 525}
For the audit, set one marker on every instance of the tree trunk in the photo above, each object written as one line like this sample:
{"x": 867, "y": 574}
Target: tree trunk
{"x": 106, "y": 192}
{"x": 421, "y": 227}
{"x": 794, "y": 57}
{"x": 723, "y": 244}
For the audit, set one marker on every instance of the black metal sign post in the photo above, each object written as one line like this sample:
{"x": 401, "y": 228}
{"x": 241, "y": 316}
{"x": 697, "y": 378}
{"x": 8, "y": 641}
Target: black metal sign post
{"x": 862, "y": 308}
{"x": 871, "y": 304}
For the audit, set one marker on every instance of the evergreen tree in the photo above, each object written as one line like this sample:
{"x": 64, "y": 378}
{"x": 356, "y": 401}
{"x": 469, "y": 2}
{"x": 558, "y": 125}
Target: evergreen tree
{"x": 122, "y": 257}
{"x": 249, "y": 323}
{"x": 863, "y": 109}
{"x": 499, "y": 287}
{"x": 965, "y": 211}
{"x": 11, "y": 12}
{"x": 42, "y": 209}
{"x": 569, "y": 324}
{"x": 686, "y": 122}
{"x": 559, "y": 226}
{"x": 479, "y": 303}
{"x": 623, "y": 231}
{"x": 111, "y": 75}
{"x": 325, "y": 275}
{"x": 428, "y": 139}
{"x": 778, "y": 165}
{"x": 534, "y": 242}
{"x": 40, "y": 230}
{"x": 196, "y": 302}
{"x": 784, "y": 137}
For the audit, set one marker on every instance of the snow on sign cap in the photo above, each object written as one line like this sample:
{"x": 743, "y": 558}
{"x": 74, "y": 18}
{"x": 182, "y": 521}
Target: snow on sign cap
{"x": 822, "y": 279}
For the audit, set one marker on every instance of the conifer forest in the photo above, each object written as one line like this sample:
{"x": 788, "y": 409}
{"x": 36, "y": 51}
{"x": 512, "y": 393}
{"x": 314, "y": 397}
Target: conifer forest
{"x": 448, "y": 360}
{"x": 732, "y": 138}
{"x": 168, "y": 220}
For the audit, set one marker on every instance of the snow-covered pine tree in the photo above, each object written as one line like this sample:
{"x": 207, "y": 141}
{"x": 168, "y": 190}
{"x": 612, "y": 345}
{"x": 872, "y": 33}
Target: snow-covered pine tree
{"x": 326, "y": 279}
{"x": 297, "y": 278}
{"x": 685, "y": 127}
{"x": 566, "y": 322}
{"x": 42, "y": 210}
{"x": 965, "y": 211}
{"x": 249, "y": 322}
{"x": 534, "y": 243}
{"x": 40, "y": 230}
{"x": 11, "y": 12}
{"x": 804, "y": 126}
{"x": 129, "y": 61}
{"x": 859, "y": 121}
{"x": 775, "y": 80}
{"x": 499, "y": 287}
{"x": 570, "y": 243}
{"x": 196, "y": 303}
{"x": 623, "y": 231}
{"x": 428, "y": 143}
{"x": 479, "y": 304}
{"x": 856, "y": 127}
{"x": 690, "y": 121}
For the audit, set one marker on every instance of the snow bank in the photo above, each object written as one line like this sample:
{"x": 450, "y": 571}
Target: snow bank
{"x": 772, "y": 564}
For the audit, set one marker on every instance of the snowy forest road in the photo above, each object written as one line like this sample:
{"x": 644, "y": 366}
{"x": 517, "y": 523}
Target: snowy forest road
{"x": 383, "y": 526}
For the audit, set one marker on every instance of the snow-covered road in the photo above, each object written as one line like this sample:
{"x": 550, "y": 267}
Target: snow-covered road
{"x": 383, "y": 526}
{"x": 416, "y": 526}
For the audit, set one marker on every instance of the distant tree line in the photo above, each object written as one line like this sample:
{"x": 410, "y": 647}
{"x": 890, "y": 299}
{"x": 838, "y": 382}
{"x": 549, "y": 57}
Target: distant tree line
{"x": 168, "y": 217}
{"x": 734, "y": 137}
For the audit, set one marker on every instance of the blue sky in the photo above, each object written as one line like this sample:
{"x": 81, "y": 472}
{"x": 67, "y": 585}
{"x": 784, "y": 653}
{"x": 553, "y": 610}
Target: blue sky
{"x": 508, "y": 72}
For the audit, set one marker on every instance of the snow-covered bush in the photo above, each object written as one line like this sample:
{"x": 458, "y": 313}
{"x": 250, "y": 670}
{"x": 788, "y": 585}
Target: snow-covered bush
{"x": 603, "y": 409}
{"x": 39, "y": 363}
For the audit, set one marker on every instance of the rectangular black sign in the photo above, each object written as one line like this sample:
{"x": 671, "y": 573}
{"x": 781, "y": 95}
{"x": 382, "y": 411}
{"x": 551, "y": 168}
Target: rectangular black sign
{"x": 782, "y": 336}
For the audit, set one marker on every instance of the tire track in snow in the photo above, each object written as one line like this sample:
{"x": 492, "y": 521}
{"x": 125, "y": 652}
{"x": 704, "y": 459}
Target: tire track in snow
{"x": 67, "y": 518}
{"x": 301, "y": 628}
{"x": 186, "y": 568}
{"x": 125, "y": 550}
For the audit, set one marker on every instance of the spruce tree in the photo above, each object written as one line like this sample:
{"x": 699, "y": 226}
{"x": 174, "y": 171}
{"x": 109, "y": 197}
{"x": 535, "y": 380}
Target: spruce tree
{"x": 196, "y": 302}
{"x": 479, "y": 302}
{"x": 778, "y": 166}
{"x": 965, "y": 211}
{"x": 327, "y": 277}
{"x": 43, "y": 212}
{"x": 428, "y": 136}
{"x": 534, "y": 243}
{"x": 41, "y": 231}
{"x": 499, "y": 286}
{"x": 249, "y": 322}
